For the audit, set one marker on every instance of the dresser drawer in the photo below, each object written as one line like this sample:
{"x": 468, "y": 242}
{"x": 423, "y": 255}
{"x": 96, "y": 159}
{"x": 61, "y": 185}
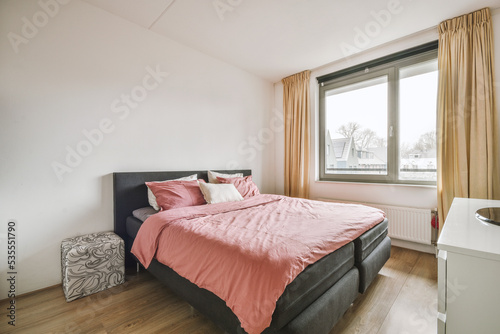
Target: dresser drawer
{"x": 441, "y": 323}
{"x": 442, "y": 277}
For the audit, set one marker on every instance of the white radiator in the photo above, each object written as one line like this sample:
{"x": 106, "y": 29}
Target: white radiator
{"x": 411, "y": 224}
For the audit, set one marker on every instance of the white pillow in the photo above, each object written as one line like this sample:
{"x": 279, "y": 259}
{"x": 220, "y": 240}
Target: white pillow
{"x": 212, "y": 176}
{"x": 152, "y": 197}
{"x": 219, "y": 193}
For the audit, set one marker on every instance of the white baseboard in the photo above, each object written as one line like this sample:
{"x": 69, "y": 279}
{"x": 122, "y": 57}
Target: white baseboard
{"x": 414, "y": 245}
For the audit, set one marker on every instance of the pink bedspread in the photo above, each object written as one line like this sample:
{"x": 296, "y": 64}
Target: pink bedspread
{"x": 247, "y": 252}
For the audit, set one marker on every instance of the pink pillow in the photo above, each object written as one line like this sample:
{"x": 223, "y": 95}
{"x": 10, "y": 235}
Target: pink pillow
{"x": 245, "y": 185}
{"x": 176, "y": 194}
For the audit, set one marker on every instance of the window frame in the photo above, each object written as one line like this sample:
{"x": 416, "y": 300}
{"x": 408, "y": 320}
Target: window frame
{"x": 366, "y": 71}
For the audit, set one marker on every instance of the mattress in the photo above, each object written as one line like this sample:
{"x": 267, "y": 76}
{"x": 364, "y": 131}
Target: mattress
{"x": 312, "y": 283}
{"x": 132, "y": 225}
{"x": 369, "y": 240}
{"x": 363, "y": 245}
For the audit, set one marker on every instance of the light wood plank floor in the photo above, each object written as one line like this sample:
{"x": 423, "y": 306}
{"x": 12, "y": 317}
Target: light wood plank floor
{"x": 402, "y": 299}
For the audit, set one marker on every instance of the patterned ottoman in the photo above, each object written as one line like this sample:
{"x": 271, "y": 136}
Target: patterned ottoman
{"x": 91, "y": 263}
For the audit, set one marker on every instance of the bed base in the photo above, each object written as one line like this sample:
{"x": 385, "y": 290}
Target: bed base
{"x": 371, "y": 265}
{"x": 319, "y": 317}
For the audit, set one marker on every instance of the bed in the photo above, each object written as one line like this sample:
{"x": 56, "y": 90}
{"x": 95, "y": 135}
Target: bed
{"x": 312, "y": 303}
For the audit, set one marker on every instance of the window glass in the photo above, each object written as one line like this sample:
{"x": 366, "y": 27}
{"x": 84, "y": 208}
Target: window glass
{"x": 417, "y": 121}
{"x": 356, "y": 124}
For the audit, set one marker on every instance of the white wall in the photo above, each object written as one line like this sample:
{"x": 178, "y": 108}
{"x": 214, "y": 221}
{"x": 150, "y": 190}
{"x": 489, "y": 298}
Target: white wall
{"x": 63, "y": 80}
{"x": 413, "y": 196}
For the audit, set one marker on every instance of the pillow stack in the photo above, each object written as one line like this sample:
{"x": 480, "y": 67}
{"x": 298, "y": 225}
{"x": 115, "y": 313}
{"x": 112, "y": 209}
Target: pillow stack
{"x": 152, "y": 197}
{"x": 188, "y": 191}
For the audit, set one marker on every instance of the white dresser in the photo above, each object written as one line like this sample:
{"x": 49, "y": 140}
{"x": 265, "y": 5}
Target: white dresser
{"x": 469, "y": 271}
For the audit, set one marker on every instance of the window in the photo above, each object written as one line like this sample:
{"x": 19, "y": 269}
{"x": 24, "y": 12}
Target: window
{"x": 378, "y": 120}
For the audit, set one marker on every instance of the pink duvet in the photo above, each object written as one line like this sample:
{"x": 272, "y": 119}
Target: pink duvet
{"x": 247, "y": 252}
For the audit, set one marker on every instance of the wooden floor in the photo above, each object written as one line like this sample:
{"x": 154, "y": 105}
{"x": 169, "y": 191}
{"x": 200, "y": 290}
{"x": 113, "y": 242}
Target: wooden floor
{"x": 402, "y": 299}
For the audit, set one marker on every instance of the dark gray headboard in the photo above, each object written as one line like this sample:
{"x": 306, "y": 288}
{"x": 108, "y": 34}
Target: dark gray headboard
{"x": 130, "y": 193}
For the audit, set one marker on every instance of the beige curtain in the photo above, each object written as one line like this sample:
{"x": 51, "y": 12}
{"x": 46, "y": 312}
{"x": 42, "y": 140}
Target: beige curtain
{"x": 296, "y": 105}
{"x": 467, "y": 113}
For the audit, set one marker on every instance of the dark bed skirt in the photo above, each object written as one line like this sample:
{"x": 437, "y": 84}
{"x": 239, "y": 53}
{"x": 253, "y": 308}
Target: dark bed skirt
{"x": 371, "y": 265}
{"x": 320, "y": 316}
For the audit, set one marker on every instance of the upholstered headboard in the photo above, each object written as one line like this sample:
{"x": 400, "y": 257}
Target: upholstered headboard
{"x": 130, "y": 192}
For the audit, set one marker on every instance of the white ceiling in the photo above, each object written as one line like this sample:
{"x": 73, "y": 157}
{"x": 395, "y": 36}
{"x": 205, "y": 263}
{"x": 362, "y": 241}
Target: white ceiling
{"x": 277, "y": 38}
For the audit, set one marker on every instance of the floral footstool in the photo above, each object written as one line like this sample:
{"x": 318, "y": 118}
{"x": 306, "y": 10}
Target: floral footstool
{"x": 91, "y": 263}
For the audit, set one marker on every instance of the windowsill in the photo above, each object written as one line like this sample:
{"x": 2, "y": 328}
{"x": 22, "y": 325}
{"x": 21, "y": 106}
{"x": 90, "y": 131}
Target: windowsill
{"x": 400, "y": 185}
